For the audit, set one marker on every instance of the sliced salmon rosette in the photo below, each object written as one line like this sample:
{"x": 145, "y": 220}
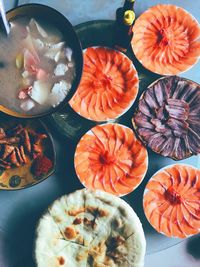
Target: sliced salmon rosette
{"x": 166, "y": 39}
{"x": 110, "y": 158}
{"x": 172, "y": 201}
{"x": 167, "y": 119}
{"x": 108, "y": 87}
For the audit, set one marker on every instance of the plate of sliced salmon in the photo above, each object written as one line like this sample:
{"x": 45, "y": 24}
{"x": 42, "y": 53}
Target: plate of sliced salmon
{"x": 171, "y": 201}
{"x": 110, "y": 158}
{"x": 166, "y": 39}
{"x": 108, "y": 87}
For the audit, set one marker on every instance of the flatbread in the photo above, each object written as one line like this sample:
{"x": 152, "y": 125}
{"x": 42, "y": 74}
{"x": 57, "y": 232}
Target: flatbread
{"x": 52, "y": 250}
{"x": 71, "y": 255}
{"x": 68, "y": 214}
{"x": 51, "y": 237}
{"x": 122, "y": 236}
{"x": 99, "y": 210}
{"x": 107, "y": 232}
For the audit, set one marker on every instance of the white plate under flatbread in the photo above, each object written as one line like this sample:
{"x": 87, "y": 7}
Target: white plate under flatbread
{"x": 90, "y": 229}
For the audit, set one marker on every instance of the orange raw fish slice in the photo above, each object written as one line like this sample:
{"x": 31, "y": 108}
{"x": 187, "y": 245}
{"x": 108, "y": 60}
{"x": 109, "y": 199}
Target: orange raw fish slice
{"x": 156, "y": 187}
{"x": 99, "y": 107}
{"x": 174, "y": 175}
{"x": 157, "y": 213}
{"x": 108, "y": 106}
{"x": 139, "y": 170}
{"x": 164, "y": 178}
{"x": 113, "y": 180}
{"x": 102, "y": 53}
{"x": 85, "y": 89}
{"x": 131, "y": 76}
{"x": 101, "y": 135}
{"x": 118, "y": 60}
{"x": 98, "y": 182}
{"x": 85, "y": 104}
{"x": 176, "y": 230}
{"x": 76, "y": 102}
{"x": 141, "y": 157}
{"x": 86, "y": 81}
{"x": 195, "y": 49}
{"x": 152, "y": 207}
{"x": 110, "y": 131}
{"x": 155, "y": 219}
{"x": 92, "y": 156}
{"x": 185, "y": 224}
{"x": 91, "y": 181}
{"x": 118, "y": 88}
{"x": 113, "y": 71}
{"x": 89, "y": 67}
{"x": 193, "y": 211}
{"x": 129, "y": 85}
{"x": 187, "y": 176}
{"x": 165, "y": 218}
{"x": 91, "y": 52}
{"x": 83, "y": 158}
{"x": 92, "y": 107}
{"x": 130, "y": 139}
{"x": 185, "y": 20}
{"x": 120, "y": 133}
{"x": 136, "y": 149}
{"x": 112, "y": 95}
{"x": 192, "y": 218}
{"x": 123, "y": 167}
{"x": 83, "y": 163}
{"x": 111, "y": 145}
{"x": 107, "y": 66}
{"x": 86, "y": 176}
{"x": 149, "y": 198}
{"x": 130, "y": 181}
{"x": 107, "y": 184}
{"x": 119, "y": 187}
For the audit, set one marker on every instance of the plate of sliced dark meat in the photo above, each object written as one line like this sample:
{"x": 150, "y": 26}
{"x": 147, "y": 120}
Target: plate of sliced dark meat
{"x": 167, "y": 118}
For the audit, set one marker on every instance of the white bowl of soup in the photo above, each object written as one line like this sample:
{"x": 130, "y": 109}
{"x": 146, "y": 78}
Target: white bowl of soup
{"x": 40, "y": 62}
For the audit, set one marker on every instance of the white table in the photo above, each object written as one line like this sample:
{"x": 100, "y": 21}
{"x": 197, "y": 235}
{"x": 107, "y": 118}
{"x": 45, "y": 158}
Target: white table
{"x": 185, "y": 254}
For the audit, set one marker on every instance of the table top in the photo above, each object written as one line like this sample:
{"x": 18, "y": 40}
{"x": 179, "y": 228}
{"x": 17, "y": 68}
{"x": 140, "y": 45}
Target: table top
{"x": 20, "y": 210}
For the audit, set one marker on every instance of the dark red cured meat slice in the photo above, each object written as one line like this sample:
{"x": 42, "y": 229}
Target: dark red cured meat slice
{"x": 177, "y": 103}
{"x": 181, "y": 86}
{"x": 177, "y": 112}
{"x": 150, "y": 99}
{"x": 158, "y": 91}
{"x": 177, "y": 125}
{"x": 143, "y": 121}
{"x": 143, "y": 107}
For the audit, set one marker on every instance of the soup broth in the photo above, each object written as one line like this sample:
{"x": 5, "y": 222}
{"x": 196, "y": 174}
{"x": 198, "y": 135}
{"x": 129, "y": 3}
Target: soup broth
{"x": 37, "y": 68}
